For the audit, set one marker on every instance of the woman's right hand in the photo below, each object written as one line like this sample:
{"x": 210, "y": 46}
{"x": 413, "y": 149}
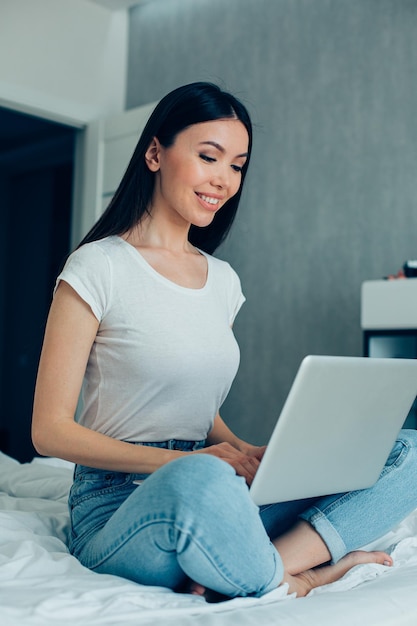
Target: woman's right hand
{"x": 243, "y": 464}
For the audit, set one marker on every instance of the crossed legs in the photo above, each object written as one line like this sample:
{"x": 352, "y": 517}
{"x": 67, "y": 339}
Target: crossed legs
{"x": 194, "y": 519}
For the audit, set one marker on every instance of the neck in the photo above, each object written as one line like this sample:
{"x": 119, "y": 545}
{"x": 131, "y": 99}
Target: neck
{"x": 151, "y": 233}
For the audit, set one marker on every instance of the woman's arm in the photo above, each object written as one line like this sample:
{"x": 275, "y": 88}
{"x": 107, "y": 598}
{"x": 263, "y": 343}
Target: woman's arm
{"x": 222, "y": 433}
{"x": 69, "y": 336}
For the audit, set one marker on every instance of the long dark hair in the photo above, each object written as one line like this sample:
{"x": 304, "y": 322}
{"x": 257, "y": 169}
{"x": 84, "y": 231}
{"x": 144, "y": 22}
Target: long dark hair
{"x": 187, "y": 105}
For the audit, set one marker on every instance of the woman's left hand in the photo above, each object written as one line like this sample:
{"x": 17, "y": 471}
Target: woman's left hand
{"x": 251, "y": 450}
{"x": 246, "y": 463}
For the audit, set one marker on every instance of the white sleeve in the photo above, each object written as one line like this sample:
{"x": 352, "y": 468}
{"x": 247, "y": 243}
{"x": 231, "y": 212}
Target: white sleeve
{"x": 88, "y": 272}
{"x": 236, "y": 297}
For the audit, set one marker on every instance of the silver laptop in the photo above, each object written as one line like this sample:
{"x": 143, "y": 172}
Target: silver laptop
{"x": 337, "y": 427}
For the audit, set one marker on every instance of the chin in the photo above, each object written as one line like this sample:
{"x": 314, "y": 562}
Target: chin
{"x": 203, "y": 221}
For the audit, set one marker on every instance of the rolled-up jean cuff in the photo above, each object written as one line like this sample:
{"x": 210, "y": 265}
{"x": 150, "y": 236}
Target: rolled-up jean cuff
{"x": 327, "y": 532}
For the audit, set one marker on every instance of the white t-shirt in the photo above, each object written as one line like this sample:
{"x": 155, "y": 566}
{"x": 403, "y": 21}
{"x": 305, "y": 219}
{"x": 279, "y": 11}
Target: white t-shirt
{"x": 165, "y": 356}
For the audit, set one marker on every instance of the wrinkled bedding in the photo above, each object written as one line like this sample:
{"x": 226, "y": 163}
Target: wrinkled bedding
{"x": 41, "y": 584}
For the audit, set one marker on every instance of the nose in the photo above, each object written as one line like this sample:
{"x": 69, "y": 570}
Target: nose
{"x": 221, "y": 178}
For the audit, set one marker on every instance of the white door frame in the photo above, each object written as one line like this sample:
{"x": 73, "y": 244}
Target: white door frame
{"x": 103, "y": 153}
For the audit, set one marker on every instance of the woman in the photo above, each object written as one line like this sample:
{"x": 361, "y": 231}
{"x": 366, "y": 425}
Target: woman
{"x": 142, "y": 317}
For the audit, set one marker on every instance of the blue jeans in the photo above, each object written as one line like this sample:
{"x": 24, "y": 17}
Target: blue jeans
{"x": 194, "y": 518}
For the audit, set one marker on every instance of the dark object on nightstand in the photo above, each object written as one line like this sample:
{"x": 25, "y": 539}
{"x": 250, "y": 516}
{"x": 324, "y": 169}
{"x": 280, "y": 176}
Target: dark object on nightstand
{"x": 410, "y": 269}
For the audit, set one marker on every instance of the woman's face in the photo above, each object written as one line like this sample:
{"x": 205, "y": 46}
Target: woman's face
{"x": 199, "y": 172}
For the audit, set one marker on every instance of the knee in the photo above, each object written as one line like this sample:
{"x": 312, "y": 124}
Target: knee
{"x": 203, "y": 478}
{"x": 199, "y": 470}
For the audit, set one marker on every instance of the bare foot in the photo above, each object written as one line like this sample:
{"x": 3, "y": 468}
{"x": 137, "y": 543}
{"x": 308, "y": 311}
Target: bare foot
{"x": 303, "y": 583}
{"x": 196, "y": 589}
{"x": 209, "y": 595}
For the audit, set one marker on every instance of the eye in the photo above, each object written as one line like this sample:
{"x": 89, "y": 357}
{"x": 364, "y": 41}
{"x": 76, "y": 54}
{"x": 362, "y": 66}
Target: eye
{"x": 206, "y": 158}
{"x": 237, "y": 168}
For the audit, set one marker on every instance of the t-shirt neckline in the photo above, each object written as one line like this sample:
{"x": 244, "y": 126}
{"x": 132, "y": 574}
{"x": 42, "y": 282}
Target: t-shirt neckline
{"x": 153, "y": 272}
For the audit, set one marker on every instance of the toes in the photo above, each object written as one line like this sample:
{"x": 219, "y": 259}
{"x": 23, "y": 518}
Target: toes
{"x": 359, "y": 557}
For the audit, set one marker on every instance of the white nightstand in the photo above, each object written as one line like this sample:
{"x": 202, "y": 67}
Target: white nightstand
{"x": 389, "y": 322}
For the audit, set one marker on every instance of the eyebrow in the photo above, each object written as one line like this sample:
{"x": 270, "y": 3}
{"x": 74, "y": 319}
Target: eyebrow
{"x": 221, "y": 149}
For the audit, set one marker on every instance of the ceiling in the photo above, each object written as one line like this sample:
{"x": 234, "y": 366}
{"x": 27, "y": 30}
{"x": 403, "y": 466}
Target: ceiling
{"x": 18, "y": 130}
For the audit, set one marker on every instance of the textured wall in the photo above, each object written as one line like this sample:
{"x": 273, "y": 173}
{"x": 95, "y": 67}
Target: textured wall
{"x": 332, "y": 192}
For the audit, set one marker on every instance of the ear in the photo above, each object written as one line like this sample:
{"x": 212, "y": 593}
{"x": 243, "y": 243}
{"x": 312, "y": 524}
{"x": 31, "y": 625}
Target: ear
{"x": 152, "y": 155}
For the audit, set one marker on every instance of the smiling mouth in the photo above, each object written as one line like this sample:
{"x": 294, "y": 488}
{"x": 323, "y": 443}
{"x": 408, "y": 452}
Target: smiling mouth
{"x": 209, "y": 199}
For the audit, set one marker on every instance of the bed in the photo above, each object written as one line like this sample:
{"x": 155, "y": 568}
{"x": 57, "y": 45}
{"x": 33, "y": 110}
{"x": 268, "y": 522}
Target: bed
{"x": 41, "y": 584}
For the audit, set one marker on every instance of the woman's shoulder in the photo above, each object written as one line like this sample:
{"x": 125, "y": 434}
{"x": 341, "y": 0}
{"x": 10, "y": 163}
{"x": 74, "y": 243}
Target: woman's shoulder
{"x": 228, "y": 282}
{"x": 96, "y": 259}
{"x": 217, "y": 263}
{"x": 221, "y": 268}
{"x": 96, "y": 250}
{"x": 105, "y": 245}
{"x": 89, "y": 271}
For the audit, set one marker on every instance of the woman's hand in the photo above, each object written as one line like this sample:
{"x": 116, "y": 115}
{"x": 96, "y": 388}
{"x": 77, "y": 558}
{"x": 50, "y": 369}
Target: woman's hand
{"x": 245, "y": 463}
{"x": 251, "y": 450}
{"x": 242, "y": 456}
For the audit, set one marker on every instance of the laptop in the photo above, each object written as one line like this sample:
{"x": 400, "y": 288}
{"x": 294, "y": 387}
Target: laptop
{"x": 337, "y": 427}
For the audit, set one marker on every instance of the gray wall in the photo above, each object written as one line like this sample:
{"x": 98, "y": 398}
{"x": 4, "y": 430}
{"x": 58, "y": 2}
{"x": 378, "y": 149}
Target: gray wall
{"x": 332, "y": 192}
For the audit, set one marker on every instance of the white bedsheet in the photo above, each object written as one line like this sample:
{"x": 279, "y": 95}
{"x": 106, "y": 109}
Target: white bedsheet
{"x": 41, "y": 584}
